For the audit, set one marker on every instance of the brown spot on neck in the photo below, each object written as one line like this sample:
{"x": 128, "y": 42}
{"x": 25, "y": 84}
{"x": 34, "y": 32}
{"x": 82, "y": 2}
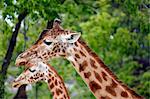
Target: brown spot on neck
{"x": 41, "y": 75}
{"x": 54, "y": 48}
{"x": 31, "y": 77}
{"x": 49, "y": 80}
{"x": 56, "y": 82}
{"x": 83, "y": 66}
{"x": 51, "y": 86}
{"x": 124, "y": 94}
{"x": 113, "y": 84}
{"x": 75, "y": 59}
{"x": 75, "y": 49}
{"x": 104, "y": 75}
{"x": 110, "y": 90}
{"x": 58, "y": 91}
{"x": 65, "y": 97}
{"x": 76, "y": 44}
{"x": 94, "y": 86}
{"x": 77, "y": 56}
{"x": 92, "y": 62}
{"x": 97, "y": 76}
{"x": 82, "y": 54}
{"x": 63, "y": 50}
{"x": 43, "y": 54}
{"x": 105, "y": 97}
{"x": 87, "y": 75}
{"x": 52, "y": 78}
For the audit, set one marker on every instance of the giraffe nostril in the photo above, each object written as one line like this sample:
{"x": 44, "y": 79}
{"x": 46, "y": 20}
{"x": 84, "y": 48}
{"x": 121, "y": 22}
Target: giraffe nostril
{"x": 22, "y": 63}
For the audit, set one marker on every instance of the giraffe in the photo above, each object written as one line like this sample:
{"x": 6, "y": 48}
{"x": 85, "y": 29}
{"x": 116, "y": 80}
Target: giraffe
{"x": 43, "y": 72}
{"x": 59, "y": 42}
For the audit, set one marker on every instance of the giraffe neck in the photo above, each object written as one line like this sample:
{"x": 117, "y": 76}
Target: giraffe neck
{"x": 100, "y": 80}
{"x": 56, "y": 85}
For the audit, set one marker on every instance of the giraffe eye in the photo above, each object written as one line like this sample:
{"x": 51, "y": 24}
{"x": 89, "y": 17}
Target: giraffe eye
{"x": 47, "y": 42}
{"x": 32, "y": 70}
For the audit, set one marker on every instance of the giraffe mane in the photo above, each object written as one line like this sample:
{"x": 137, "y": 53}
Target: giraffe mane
{"x": 52, "y": 68}
{"x": 107, "y": 69}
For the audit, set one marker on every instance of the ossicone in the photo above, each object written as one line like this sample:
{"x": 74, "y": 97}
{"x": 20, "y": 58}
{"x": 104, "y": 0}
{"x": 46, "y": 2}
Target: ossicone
{"x": 56, "y": 24}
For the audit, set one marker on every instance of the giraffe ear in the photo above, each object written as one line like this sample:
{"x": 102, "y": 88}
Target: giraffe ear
{"x": 73, "y": 37}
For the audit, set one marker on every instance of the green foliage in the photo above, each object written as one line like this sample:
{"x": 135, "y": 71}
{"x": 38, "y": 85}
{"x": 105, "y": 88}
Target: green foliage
{"x": 117, "y": 30}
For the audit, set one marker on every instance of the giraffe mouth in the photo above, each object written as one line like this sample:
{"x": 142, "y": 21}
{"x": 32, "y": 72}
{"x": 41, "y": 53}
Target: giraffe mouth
{"x": 16, "y": 85}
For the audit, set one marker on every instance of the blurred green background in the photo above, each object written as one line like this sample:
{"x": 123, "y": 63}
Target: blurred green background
{"x": 117, "y": 30}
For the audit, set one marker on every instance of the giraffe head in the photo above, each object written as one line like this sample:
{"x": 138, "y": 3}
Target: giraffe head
{"x": 32, "y": 74}
{"x": 53, "y": 42}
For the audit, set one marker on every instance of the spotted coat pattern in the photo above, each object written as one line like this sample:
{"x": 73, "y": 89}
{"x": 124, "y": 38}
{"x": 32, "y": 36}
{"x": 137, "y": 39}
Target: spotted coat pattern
{"x": 99, "y": 78}
{"x": 43, "y": 72}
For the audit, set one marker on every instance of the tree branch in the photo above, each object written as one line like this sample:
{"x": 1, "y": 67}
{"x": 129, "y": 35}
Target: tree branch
{"x": 12, "y": 44}
{"x": 9, "y": 53}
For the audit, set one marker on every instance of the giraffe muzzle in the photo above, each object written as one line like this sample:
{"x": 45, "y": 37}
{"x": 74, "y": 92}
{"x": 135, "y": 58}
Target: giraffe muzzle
{"x": 16, "y": 85}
